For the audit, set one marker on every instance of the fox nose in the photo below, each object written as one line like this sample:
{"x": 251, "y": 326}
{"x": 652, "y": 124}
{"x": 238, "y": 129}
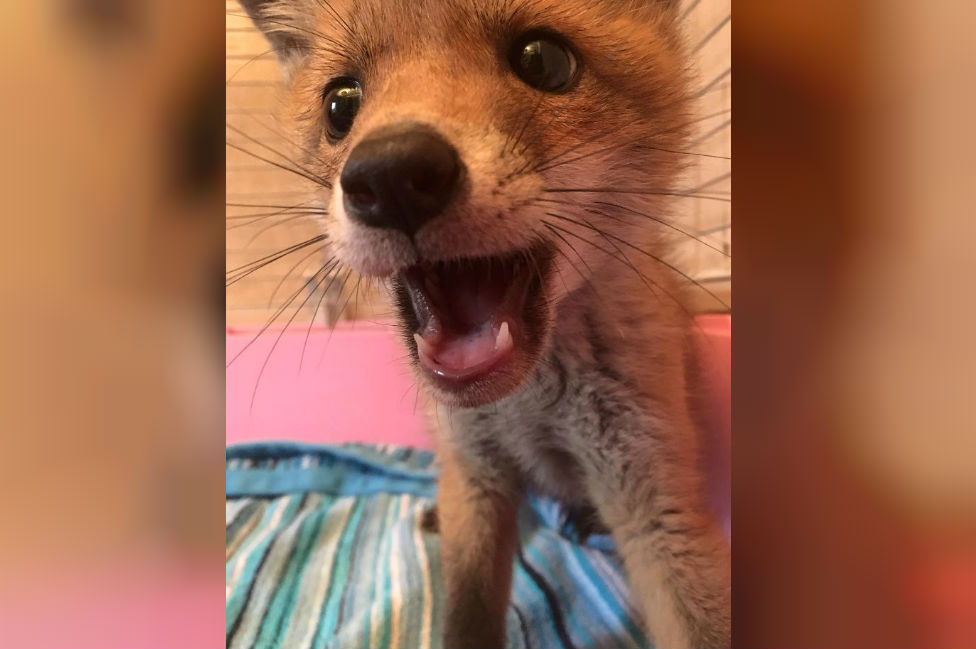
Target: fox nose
{"x": 400, "y": 180}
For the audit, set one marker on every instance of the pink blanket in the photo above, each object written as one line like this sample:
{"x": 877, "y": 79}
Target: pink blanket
{"x": 355, "y": 386}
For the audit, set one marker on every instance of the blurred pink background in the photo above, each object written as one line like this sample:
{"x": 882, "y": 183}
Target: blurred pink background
{"x": 355, "y": 385}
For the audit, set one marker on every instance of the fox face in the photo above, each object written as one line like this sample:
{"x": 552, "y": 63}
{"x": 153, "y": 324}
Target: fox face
{"x": 485, "y": 157}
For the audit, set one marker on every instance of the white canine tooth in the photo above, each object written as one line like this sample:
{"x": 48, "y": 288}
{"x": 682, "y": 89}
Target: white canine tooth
{"x": 503, "y": 339}
{"x": 424, "y": 347}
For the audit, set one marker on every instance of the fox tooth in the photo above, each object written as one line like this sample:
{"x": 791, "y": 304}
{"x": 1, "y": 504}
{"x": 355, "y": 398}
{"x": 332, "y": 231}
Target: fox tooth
{"x": 503, "y": 339}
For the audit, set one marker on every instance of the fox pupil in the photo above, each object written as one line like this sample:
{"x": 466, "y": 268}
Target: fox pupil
{"x": 544, "y": 63}
{"x": 342, "y": 102}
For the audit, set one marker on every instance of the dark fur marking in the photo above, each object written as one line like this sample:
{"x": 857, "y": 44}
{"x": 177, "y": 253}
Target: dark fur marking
{"x": 563, "y": 382}
{"x": 585, "y": 520}
{"x": 557, "y": 615}
{"x": 601, "y": 352}
{"x": 257, "y": 573}
{"x": 429, "y": 522}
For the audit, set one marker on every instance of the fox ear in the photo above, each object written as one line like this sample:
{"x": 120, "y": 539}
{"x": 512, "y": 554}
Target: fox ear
{"x": 284, "y": 24}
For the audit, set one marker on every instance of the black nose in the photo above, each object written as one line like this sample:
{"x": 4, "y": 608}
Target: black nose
{"x": 400, "y": 180}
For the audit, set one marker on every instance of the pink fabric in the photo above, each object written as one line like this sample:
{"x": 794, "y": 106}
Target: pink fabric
{"x": 716, "y": 348}
{"x": 139, "y": 601}
{"x": 356, "y": 387}
{"x": 351, "y": 387}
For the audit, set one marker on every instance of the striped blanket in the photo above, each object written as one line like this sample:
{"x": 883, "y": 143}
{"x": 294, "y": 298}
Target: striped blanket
{"x": 327, "y": 546}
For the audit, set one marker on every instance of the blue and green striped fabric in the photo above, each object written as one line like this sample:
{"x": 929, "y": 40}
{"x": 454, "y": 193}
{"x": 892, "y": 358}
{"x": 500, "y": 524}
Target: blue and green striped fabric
{"x": 326, "y": 547}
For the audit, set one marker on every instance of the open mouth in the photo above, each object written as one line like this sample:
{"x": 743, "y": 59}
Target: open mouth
{"x": 473, "y": 317}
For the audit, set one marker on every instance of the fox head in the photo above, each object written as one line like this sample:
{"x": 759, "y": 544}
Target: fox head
{"x": 487, "y": 156}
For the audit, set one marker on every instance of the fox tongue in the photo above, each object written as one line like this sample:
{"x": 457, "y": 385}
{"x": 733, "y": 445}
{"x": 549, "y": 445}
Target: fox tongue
{"x": 459, "y": 356}
{"x": 468, "y": 313}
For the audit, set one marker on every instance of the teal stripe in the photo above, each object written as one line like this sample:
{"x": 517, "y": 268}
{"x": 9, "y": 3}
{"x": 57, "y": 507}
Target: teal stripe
{"x": 432, "y": 546}
{"x": 376, "y": 577}
{"x": 540, "y": 605}
{"x": 413, "y": 605}
{"x": 616, "y": 618}
{"x": 234, "y": 508}
{"x": 347, "y": 594}
{"x": 412, "y": 608}
{"x": 399, "y": 559}
{"x": 387, "y": 600}
{"x": 528, "y": 597}
{"x": 361, "y": 457}
{"x": 272, "y": 469}
{"x": 267, "y": 576}
{"x": 235, "y": 604}
{"x": 610, "y": 574}
{"x": 362, "y": 578}
{"x": 287, "y": 585}
{"x": 279, "y": 481}
{"x": 356, "y": 599}
{"x": 339, "y": 575}
{"x": 242, "y": 517}
{"x": 544, "y": 567}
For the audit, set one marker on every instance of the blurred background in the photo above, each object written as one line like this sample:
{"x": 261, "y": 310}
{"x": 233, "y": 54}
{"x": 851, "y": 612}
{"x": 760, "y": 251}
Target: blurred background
{"x": 854, "y": 443}
{"x": 111, "y": 387}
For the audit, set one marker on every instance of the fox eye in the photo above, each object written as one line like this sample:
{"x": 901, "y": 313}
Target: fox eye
{"x": 342, "y": 99}
{"x": 545, "y": 62}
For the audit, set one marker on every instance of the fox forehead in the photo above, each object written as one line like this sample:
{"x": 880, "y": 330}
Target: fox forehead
{"x": 447, "y": 58}
{"x": 379, "y": 22}
{"x": 362, "y": 37}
